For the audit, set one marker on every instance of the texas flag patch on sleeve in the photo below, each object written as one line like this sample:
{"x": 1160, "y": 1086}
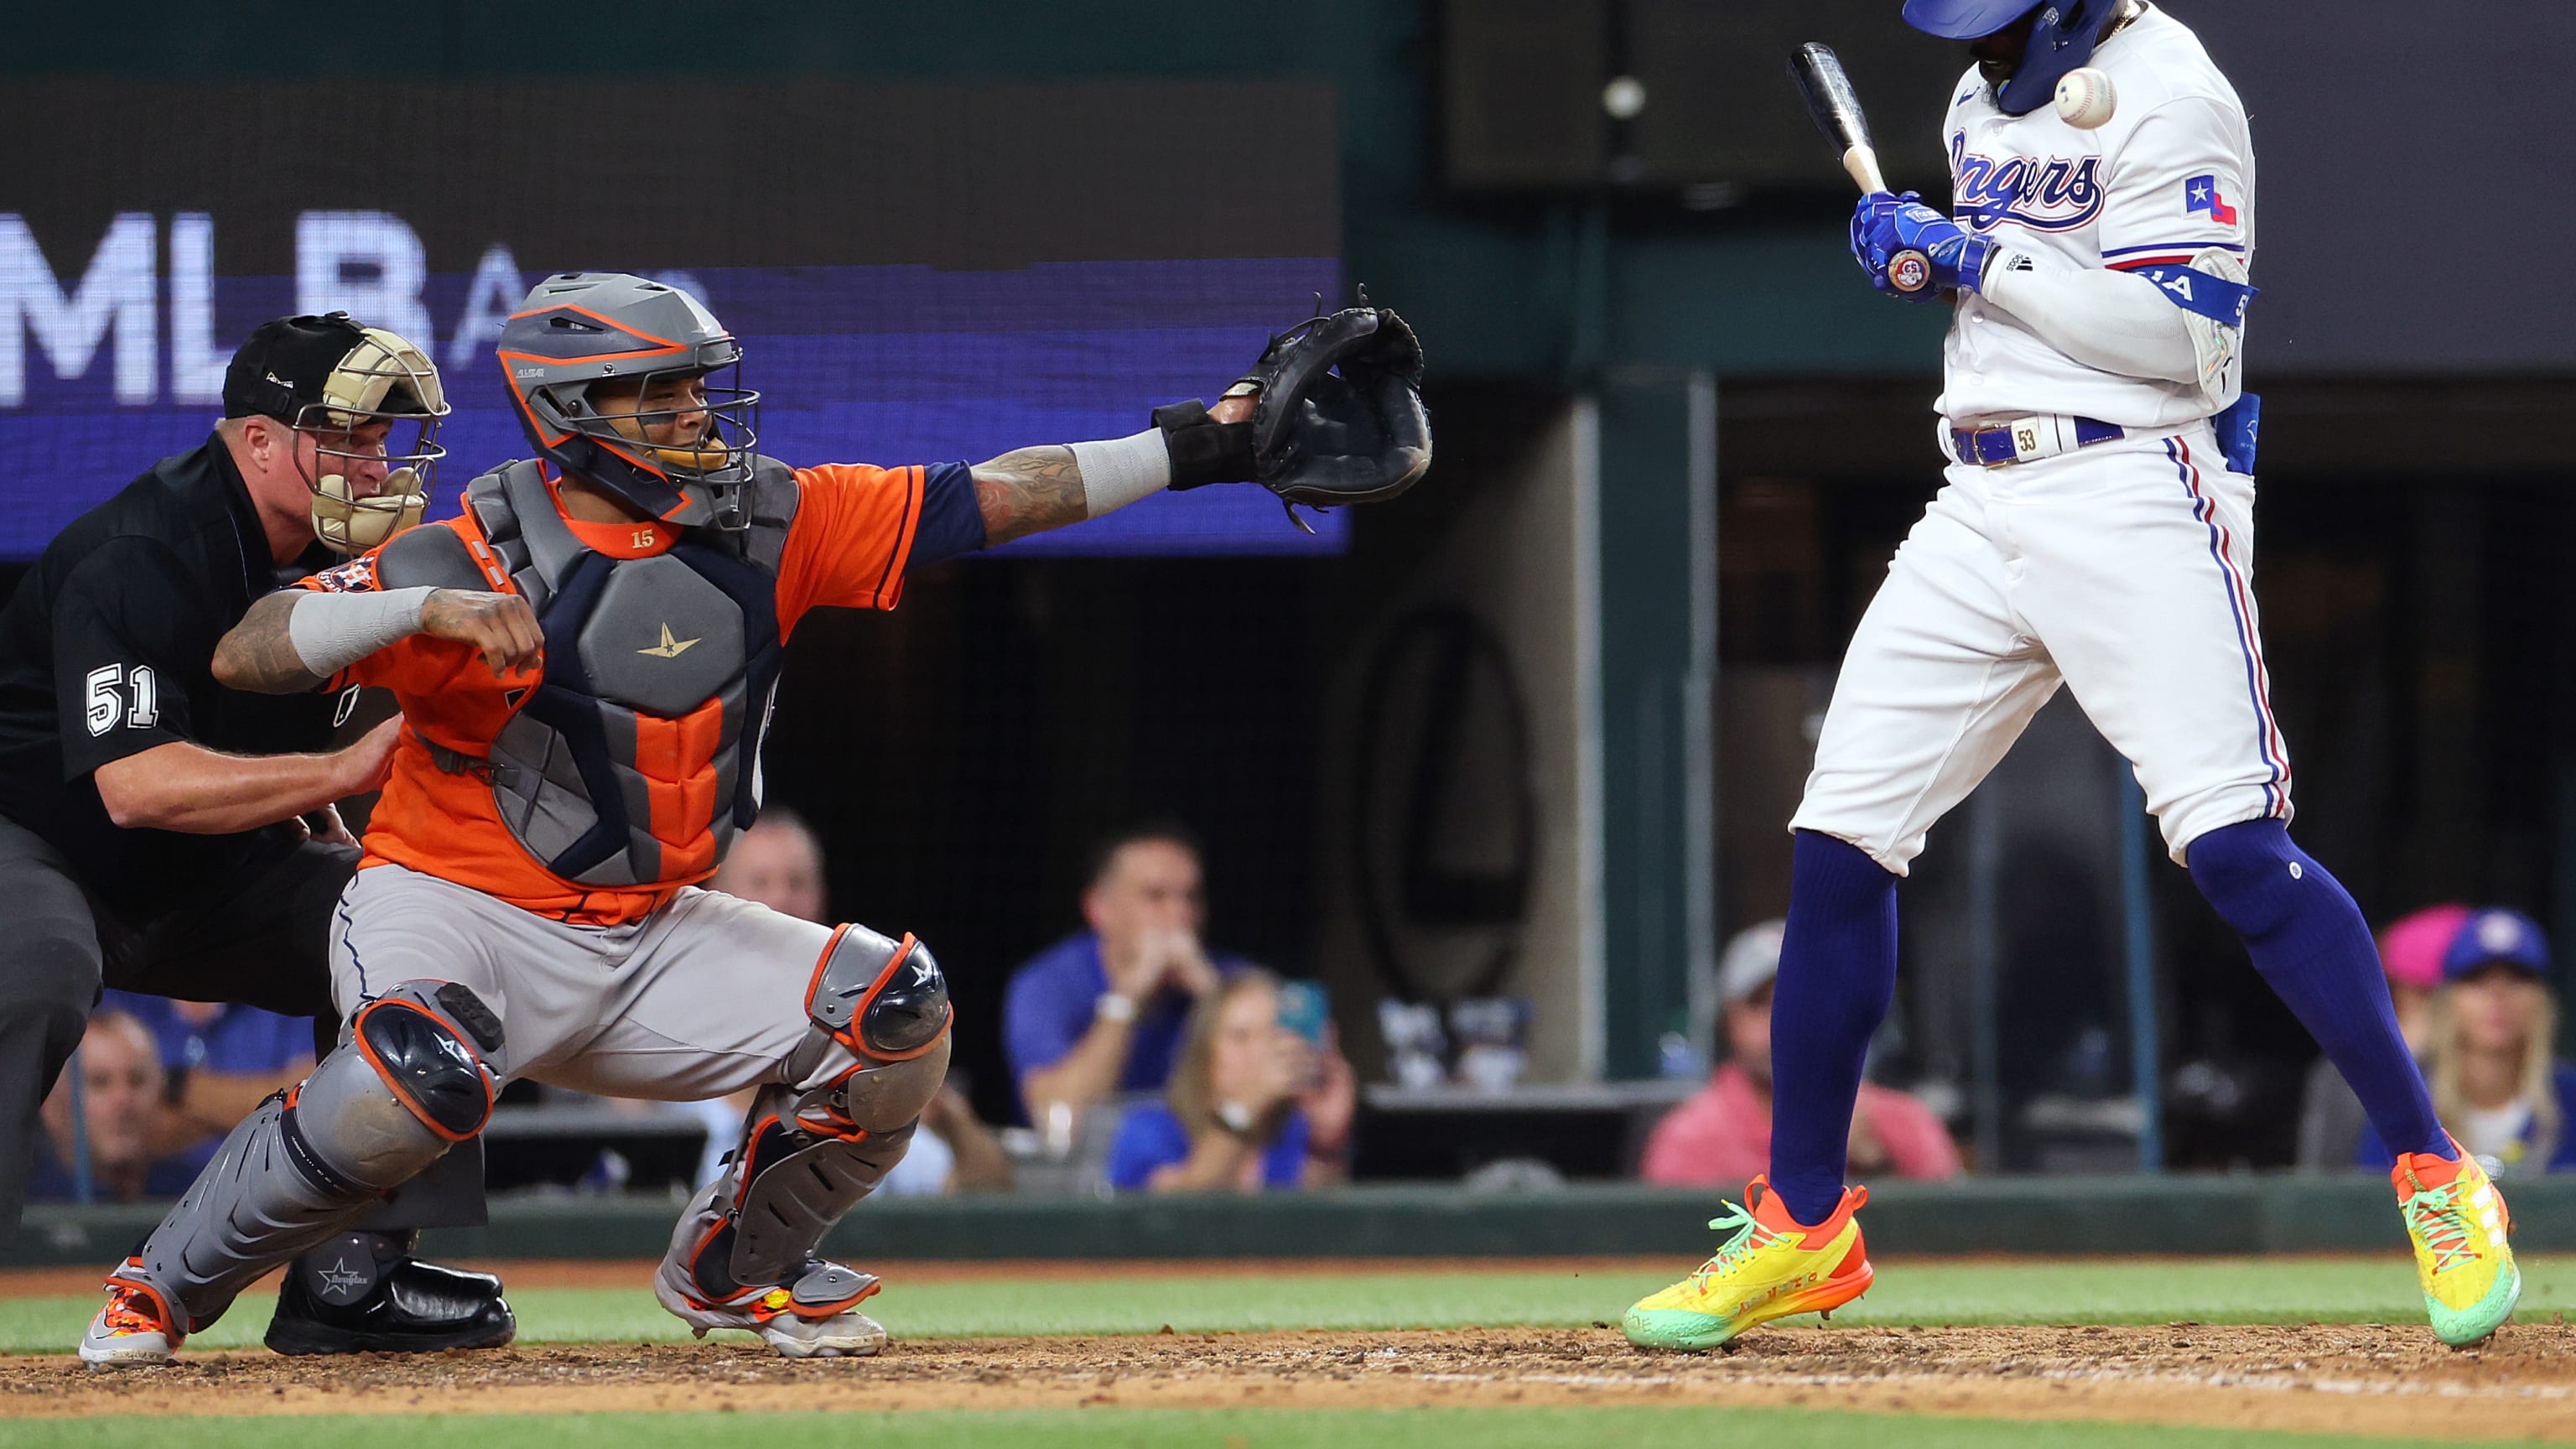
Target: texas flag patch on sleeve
{"x": 2200, "y": 193}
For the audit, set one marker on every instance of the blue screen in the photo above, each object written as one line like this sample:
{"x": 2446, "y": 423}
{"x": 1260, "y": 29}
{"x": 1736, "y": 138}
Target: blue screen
{"x": 919, "y": 274}
{"x": 866, "y": 364}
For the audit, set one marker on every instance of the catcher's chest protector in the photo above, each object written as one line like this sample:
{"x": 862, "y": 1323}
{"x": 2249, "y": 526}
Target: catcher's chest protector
{"x": 636, "y": 759}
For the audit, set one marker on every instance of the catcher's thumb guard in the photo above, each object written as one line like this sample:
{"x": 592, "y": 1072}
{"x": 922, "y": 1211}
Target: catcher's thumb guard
{"x": 1204, "y": 450}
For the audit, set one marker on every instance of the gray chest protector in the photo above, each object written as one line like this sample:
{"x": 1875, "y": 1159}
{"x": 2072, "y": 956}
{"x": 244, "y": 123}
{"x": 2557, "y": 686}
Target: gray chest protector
{"x": 636, "y": 758}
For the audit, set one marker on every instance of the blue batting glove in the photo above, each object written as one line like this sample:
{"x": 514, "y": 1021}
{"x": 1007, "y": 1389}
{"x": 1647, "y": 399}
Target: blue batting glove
{"x": 1958, "y": 256}
{"x": 1869, "y": 219}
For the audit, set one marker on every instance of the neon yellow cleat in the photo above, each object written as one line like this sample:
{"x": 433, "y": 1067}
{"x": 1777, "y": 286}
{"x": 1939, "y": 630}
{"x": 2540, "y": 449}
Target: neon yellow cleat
{"x": 2462, "y": 1261}
{"x": 1773, "y": 1267}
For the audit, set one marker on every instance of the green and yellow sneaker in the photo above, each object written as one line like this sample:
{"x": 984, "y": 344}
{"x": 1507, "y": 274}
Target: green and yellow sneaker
{"x": 1772, "y": 1267}
{"x": 2462, "y": 1261}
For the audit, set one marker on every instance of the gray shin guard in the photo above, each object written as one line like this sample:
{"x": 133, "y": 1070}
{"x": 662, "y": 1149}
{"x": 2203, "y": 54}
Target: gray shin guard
{"x": 404, "y": 1085}
{"x": 808, "y": 1156}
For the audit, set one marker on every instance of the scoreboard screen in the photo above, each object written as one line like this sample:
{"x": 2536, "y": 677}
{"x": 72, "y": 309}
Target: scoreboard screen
{"x": 919, "y": 272}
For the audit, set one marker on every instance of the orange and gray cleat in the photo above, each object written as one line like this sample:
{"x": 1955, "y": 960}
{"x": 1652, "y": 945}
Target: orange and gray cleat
{"x": 1772, "y": 1267}
{"x": 133, "y": 1331}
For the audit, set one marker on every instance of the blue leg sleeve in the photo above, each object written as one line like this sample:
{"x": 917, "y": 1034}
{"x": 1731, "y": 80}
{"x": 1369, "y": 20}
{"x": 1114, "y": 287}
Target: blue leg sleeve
{"x": 2309, "y": 940}
{"x": 1837, "y": 976}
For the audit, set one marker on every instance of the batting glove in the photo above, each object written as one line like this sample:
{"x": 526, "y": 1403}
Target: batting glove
{"x": 1868, "y": 221}
{"x": 1904, "y": 223}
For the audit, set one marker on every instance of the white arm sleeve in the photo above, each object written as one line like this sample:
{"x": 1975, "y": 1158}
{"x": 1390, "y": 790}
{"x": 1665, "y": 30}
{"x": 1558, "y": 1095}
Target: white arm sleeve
{"x": 1119, "y": 471}
{"x": 330, "y": 632}
{"x": 2119, "y": 322}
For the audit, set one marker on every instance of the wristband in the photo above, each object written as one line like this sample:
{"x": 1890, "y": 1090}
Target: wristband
{"x": 1119, "y": 471}
{"x": 1113, "y": 1007}
{"x": 330, "y": 632}
{"x": 1203, "y": 450}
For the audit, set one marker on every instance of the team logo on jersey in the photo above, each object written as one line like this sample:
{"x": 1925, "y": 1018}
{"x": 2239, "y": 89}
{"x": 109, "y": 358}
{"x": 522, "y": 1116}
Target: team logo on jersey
{"x": 2051, "y": 193}
{"x": 2200, "y": 193}
{"x": 357, "y": 576}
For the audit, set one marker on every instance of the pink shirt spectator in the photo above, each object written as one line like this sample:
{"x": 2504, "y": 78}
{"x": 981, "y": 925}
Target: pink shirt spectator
{"x": 1721, "y": 1136}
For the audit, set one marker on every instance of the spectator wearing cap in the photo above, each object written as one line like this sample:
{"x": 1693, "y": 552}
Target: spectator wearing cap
{"x": 1721, "y": 1136}
{"x": 2496, "y": 1084}
{"x": 2410, "y": 952}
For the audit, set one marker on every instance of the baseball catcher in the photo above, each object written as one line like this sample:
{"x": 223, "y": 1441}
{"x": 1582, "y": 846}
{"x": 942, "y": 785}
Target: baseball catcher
{"x": 586, "y": 660}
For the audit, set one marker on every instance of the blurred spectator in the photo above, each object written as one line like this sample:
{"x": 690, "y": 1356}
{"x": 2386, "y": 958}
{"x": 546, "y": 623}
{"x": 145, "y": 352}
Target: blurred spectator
{"x": 1252, "y": 1105}
{"x": 778, "y": 862}
{"x": 1721, "y": 1136}
{"x": 217, "y": 1062}
{"x": 1101, "y": 1012}
{"x": 2410, "y": 951}
{"x": 2496, "y": 1085}
{"x": 121, "y": 1089}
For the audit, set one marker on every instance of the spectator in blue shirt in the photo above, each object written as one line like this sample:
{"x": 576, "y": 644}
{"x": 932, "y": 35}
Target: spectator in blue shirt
{"x": 1100, "y": 1013}
{"x": 1237, "y": 1116}
{"x": 121, "y": 1109}
{"x": 218, "y": 1061}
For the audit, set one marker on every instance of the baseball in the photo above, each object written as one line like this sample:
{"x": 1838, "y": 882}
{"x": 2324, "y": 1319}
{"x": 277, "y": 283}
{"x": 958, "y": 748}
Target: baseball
{"x": 2085, "y": 99}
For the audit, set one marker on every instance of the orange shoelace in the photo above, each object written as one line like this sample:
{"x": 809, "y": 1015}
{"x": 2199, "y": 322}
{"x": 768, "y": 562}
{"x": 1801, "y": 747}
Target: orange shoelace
{"x": 132, "y": 1312}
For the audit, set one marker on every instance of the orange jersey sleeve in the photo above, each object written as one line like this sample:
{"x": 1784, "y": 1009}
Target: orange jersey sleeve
{"x": 852, "y": 534}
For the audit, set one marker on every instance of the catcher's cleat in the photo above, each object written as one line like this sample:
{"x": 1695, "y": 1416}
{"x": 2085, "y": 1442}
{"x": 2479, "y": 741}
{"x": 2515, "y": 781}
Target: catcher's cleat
{"x": 1772, "y": 1267}
{"x": 365, "y": 1293}
{"x": 2462, "y": 1261}
{"x": 132, "y": 1331}
{"x": 813, "y": 1315}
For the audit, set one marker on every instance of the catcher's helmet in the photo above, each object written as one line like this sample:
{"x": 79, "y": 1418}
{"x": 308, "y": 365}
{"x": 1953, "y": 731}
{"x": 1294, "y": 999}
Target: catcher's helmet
{"x": 2062, "y": 40}
{"x": 330, "y": 377}
{"x": 581, "y": 328}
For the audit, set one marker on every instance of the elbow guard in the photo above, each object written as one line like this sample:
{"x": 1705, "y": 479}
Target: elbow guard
{"x": 2213, "y": 295}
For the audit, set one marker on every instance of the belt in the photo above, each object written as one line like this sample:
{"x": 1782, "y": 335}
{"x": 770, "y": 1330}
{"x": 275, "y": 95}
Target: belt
{"x": 2023, "y": 440}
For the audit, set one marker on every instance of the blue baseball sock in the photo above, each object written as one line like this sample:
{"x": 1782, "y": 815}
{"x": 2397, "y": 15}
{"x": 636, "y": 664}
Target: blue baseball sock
{"x": 2308, "y": 939}
{"x": 1837, "y": 975}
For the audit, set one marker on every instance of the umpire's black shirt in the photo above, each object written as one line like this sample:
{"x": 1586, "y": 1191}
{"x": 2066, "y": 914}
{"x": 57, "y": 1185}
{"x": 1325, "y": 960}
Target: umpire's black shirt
{"x": 108, "y": 649}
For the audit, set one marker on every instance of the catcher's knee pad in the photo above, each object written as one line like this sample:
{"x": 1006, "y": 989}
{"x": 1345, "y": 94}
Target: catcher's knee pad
{"x": 406, "y": 1084}
{"x": 424, "y": 1042}
{"x": 813, "y": 1147}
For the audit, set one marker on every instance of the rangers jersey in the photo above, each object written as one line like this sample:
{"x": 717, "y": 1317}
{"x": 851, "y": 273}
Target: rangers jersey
{"x": 2168, "y": 177}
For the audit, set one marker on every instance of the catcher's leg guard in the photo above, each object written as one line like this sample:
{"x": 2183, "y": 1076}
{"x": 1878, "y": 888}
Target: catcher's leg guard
{"x": 743, "y": 1255}
{"x": 407, "y": 1083}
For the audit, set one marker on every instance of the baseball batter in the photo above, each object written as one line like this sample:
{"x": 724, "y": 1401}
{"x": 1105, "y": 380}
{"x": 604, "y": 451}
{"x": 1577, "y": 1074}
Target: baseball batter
{"x": 586, "y": 661}
{"x": 2095, "y": 531}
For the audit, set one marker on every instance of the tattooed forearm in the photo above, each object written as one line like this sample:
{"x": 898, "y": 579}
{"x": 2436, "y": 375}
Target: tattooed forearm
{"x": 258, "y": 655}
{"x": 1029, "y": 491}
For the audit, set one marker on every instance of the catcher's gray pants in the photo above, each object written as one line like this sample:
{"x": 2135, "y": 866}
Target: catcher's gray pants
{"x": 703, "y": 997}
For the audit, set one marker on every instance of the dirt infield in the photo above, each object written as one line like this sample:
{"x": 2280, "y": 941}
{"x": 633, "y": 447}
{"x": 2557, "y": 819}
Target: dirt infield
{"x": 2350, "y": 1379}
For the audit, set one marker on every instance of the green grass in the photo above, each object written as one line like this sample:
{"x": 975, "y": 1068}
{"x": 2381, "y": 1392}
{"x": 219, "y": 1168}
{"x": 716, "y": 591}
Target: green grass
{"x": 1630, "y": 1427}
{"x": 2213, "y": 1290}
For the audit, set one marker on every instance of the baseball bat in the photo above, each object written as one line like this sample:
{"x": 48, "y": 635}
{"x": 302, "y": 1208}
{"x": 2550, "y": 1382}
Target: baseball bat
{"x": 1835, "y": 107}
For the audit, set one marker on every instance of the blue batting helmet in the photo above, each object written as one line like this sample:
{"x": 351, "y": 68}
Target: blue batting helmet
{"x": 2062, "y": 40}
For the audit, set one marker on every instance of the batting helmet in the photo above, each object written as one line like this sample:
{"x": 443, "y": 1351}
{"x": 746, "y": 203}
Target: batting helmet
{"x": 2061, "y": 40}
{"x": 579, "y": 329}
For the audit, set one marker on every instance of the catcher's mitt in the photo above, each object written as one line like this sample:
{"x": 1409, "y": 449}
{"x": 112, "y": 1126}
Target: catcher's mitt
{"x": 1337, "y": 416}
